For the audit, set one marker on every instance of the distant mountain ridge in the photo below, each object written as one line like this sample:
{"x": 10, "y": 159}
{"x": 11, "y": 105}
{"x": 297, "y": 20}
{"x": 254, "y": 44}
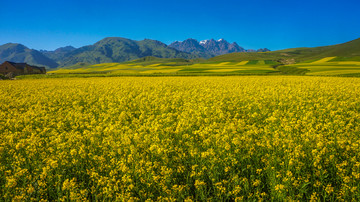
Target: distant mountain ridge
{"x": 58, "y": 54}
{"x": 210, "y": 48}
{"x": 19, "y": 53}
{"x": 117, "y": 49}
{"x": 110, "y": 49}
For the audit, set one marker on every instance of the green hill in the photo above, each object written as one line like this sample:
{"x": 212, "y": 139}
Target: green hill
{"x": 108, "y": 50}
{"x": 58, "y": 54}
{"x": 15, "y": 52}
{"x": 349, "y": 51}
{"x": 117, "y": 49}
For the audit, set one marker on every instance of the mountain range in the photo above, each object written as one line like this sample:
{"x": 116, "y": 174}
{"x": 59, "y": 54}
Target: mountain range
{"x": 210, "y": 48}
{"x": 59, "y": 53}
{"x": 19, "y": 53}
{"x": 117, "y": 49}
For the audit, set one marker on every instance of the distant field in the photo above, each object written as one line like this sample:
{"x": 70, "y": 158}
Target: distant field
{"x": 243, "y": 62}
{"x": 245, "y": 67}
{"x": 160, "y": 71}
{"x": 323, "y": 60}
{"x": 224, "y": 70}
{"x": 327, "y": 66}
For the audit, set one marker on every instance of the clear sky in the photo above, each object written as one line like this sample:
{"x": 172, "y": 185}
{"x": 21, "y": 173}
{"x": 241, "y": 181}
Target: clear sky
{"x": 274, "y": 24}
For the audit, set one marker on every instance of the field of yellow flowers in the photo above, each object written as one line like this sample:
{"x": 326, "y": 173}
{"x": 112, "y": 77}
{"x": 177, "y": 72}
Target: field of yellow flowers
{"x": 180, "y": 138}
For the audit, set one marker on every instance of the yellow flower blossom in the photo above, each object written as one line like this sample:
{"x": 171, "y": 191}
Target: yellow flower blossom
{"x": 249, "y": 138}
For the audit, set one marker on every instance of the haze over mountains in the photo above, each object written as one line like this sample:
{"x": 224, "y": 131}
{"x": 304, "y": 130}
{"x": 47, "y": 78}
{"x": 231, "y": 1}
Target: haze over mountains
{"x": 116, "y": 49}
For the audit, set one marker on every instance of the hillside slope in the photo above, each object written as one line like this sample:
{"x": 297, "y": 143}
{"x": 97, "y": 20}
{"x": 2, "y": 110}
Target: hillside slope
{"x": 117, "y": 49}
{"x": 58, "y": 54}
{"x": 15, "y": 52}
{"x": 345, "y": 51}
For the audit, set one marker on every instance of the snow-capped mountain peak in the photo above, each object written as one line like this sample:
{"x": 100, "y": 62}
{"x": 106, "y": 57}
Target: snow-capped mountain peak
{"x": 209, "y": 48}
{"x": 204, "y": 41}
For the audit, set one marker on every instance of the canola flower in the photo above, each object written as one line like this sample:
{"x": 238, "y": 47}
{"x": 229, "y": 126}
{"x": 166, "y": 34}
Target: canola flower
{"x": 180, "y": 139}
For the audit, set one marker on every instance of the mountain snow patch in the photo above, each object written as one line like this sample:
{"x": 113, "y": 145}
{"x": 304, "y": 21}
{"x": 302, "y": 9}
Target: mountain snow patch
{"x": 204, "y": 41}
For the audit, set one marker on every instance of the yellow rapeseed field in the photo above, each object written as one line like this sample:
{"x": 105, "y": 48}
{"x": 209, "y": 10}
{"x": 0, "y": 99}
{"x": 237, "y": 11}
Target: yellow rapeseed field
{"x": 180, "y": 139}
{"x": 326, "y": 59}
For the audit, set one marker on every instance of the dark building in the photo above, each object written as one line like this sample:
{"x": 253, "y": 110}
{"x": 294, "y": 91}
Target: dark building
{"x": 20, "y": 68}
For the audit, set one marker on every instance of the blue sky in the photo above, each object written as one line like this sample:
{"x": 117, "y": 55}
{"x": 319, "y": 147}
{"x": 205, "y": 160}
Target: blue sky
{"x": 275, "y": 24}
